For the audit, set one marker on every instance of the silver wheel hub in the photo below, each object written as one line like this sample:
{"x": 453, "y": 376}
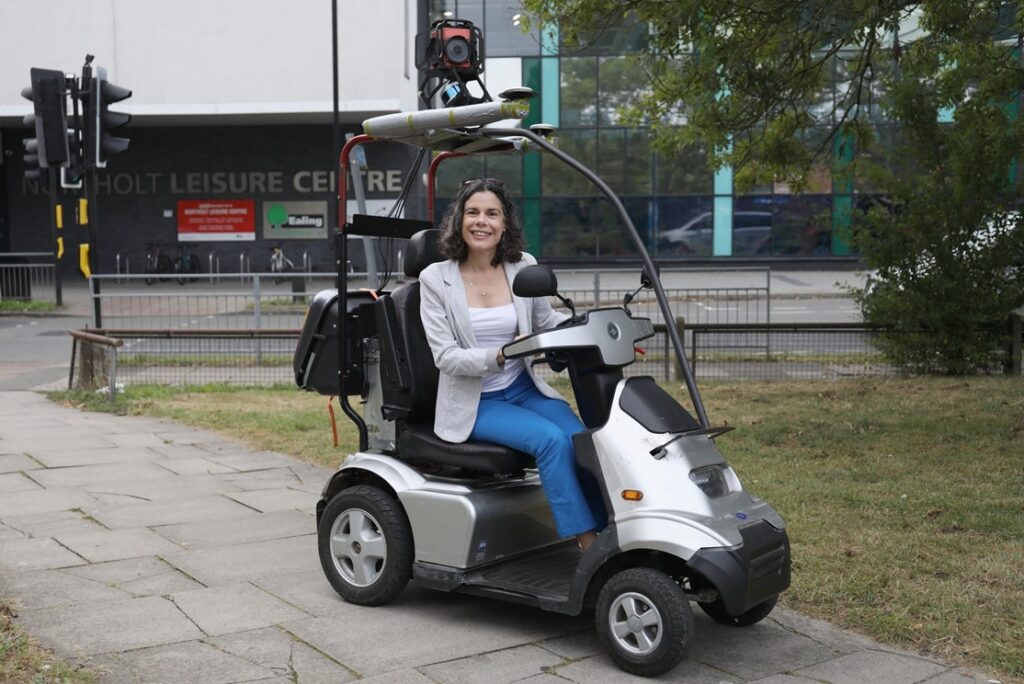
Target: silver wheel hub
{"x": 358, "y": 547}
{"x": 635, "y": 623}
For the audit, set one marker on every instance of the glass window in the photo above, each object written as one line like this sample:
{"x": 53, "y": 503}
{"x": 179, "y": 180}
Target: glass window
{"x": 752, "y": 225}
{"x": 509, "y": 168}
{"x": 685, "y": 226}
{"x": 684, "y": 173}
{"x": 639, "y": 166}
{"x": 558, "y": 177}
{"x": 471, "y": 10}
{"x": 611, "y": 158}
{"x": 625, "y": 36}
{"x": 801, "y": 225}
{"x": 621, "y": 80}
{"x": 578, "y": 95}
{"x": 503, "y": 33}
{"x": 589, "y": 227}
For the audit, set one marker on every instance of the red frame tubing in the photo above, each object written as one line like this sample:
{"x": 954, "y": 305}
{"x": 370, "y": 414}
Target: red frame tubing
{"x": 431, "y": 174}
{"x": 343, "y": 176}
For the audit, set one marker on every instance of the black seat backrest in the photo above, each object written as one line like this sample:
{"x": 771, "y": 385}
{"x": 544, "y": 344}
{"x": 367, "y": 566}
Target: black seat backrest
{"x": 408, "y": 374}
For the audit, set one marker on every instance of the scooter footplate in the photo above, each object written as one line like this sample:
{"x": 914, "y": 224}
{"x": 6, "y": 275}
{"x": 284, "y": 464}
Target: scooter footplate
{"x": 549, "y": 575}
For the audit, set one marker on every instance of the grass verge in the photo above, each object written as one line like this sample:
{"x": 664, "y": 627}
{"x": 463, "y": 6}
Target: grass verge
{"x": 22, "y": 306}
{"x": 903, "y": 497}
{"x": 23, "y": 661}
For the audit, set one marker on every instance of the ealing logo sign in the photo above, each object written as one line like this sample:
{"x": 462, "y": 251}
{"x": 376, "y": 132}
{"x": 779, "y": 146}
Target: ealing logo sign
{"x": 297, "y": 220}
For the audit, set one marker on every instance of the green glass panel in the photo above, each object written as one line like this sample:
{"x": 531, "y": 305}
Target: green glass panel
{"x": 532, "y": 80}
{"x": 531, "y": 226}
{"x": 842, "y": 219}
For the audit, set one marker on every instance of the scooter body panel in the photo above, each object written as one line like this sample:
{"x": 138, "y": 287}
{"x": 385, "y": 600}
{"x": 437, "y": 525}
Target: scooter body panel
{"x": 464, "y": 523}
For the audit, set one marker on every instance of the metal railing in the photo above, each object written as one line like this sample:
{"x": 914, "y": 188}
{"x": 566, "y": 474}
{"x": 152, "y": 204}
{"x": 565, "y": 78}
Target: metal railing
{"x": 28, "y": 276}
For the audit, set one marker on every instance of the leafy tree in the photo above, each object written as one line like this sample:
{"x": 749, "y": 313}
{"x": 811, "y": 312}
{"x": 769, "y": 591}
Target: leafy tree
{"x": 913, "y": 101}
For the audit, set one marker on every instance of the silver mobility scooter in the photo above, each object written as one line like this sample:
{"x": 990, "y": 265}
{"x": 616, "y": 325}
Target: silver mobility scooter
{"x": 472, "y": 517}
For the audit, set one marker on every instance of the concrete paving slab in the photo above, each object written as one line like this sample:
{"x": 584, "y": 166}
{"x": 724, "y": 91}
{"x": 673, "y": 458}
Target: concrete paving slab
{"x": 180, "y": 435}
{"x": 280, "y": 652}
{"x": 137, "y": 438}
{"x": 203, "y": 663}
{"x": 13, "y": 463}
{"x": 83, "y": 476}
{"x": 958, "y": 676}
{"x": 496, "y": 667}
{"x": 24, "y": 441}
{"x": 64, "y": 458}
{"x": 110, "y": 545}
{"x": 53, "y": 523}
{"x": 252, "y": 460}
{"x": 221, "y": 565}
{"x": 109, "y": 668}
{"x": 165, "y": 488}
{"x": 785, "y": 679}
{"x": 154, "y": 513}
{"x": 277, "y": 499}
{"x": 403, "y": 676}
{"x": 276, "y": 525}
{"x": 17, "y": 482}
{"x": 10, "y": 533}
{"x": 307, "y": 590}
{"x": 51, "y": 588}
{"x": 821, "y": 631}
{"x": 755, "y": 652}
{"x": 35, "y": 554}
{"x": 431, "y": 631}
{"x": 262, "y": 479}
{"x": 601, "y": 670}
{"x": 194, "y": 466}
{"x": 45, "y": 501}
{"x": 234, "y": 608}
{"x": 146, "y": 576}
{"x": 574, "y": 646}
{"x": 876, "y": 667}
{"x": 111, "y": 626}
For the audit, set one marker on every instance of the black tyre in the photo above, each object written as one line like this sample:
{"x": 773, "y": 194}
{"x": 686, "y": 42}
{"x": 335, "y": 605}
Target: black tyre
{"x": 366, "y": 547}
{"x": 644, "y": 620}
{"x": 716, "y": 611}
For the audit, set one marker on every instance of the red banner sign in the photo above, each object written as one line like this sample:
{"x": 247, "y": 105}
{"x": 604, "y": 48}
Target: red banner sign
{"x": 211, "y": 220}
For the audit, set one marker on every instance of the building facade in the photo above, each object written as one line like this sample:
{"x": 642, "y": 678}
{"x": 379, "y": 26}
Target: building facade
{"x": 231, "y": 142}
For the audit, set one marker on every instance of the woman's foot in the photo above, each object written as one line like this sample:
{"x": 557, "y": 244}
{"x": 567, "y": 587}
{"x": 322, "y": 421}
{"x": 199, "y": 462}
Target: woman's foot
{"x": 585, "y": 539}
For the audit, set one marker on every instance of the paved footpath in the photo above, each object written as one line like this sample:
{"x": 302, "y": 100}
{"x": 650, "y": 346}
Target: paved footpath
{"x": 160, "y": 553}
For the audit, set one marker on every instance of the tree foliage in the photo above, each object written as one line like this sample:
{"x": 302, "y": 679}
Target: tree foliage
{"x": 916, "y": 101}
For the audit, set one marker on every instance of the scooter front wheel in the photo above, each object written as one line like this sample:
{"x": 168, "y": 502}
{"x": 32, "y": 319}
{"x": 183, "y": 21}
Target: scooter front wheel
{"x": 644, "y": 620}
{"x": 365, "y": 545}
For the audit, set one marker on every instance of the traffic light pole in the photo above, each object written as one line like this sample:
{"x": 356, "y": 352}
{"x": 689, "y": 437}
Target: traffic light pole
{"x": 53, "y": 176}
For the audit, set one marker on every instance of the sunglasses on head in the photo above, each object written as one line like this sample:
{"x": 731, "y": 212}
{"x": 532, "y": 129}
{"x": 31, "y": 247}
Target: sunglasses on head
{"x": 473, "y": 181}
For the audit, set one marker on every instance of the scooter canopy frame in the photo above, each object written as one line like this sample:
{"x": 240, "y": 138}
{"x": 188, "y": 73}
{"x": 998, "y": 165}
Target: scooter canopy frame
{"x": 451, "y": 143}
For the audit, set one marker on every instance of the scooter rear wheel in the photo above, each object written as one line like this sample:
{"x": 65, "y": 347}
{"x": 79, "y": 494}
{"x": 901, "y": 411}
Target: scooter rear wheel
{"x": 365, "y": 545}
{"x": 644, "y": 621}
{"x": 716, "y": 611}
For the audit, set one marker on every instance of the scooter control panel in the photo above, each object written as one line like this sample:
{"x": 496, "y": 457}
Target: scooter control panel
{"x": 612, "y": 331}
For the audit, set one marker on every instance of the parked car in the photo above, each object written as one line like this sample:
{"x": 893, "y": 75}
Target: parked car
{"x": 751, "y": 234}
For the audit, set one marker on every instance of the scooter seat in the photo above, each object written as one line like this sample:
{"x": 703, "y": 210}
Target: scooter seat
{"x": 418, "y": 443}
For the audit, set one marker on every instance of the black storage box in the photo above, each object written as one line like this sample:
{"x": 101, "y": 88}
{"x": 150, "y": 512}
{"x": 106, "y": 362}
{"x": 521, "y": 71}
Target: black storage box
{"x": 316, "y": 356}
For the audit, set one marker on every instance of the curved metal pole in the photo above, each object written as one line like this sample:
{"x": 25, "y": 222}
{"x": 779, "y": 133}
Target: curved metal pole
{"x": 659, "y": 291}
{"x": 341, "y": 250}
{"x": 432, "y": 177}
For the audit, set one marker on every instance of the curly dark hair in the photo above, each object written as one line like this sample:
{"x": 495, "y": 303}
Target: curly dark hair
{"x": 452, "y": 246}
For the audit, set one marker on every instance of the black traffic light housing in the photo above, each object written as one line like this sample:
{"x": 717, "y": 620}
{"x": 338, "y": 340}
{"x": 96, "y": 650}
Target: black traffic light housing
{"x": 49, "y": 147}
{"x": 100, "y": 143}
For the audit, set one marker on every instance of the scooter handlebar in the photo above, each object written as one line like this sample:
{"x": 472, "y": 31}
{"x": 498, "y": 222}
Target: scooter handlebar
{"x": 612, "y": 331}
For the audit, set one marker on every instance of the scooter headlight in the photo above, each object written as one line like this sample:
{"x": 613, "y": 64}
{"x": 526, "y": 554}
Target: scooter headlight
{"x": 713, "y": 480}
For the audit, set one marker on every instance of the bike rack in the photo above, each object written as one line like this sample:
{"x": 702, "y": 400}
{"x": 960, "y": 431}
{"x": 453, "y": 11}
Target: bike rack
{"x": 243, "y": 263}
{"x": 214, "y": 268}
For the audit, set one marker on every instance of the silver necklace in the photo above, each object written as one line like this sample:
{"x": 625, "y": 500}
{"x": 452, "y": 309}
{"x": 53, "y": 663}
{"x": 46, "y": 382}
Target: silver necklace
{"x": 472, "y": 285}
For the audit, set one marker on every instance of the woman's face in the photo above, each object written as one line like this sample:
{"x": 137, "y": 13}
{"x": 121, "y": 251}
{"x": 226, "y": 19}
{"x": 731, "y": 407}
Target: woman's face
{"x": 483, "y": 222}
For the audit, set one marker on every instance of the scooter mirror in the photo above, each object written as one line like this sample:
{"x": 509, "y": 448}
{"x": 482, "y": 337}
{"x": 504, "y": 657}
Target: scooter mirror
{"x": 535, "y": 281}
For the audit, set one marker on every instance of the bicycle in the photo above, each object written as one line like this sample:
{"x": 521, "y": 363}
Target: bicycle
{"x": 185, "y": 263}
{"x": 157, "y": 263}
{"x": 280, "y": 263}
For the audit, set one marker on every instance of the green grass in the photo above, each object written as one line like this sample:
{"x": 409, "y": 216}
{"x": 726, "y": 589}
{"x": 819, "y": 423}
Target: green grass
{"x": 23, "y": 661}
{"x": 904, "y": 497}
{"x": 21, "y": 306}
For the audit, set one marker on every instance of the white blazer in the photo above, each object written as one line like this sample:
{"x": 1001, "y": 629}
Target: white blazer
{"x": 445, "y": 315}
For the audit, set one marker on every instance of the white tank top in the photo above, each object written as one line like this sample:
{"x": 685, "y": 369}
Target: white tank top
{"x": 494, "y": 327}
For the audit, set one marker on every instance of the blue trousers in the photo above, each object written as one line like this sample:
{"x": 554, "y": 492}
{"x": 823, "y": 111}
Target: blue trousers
{"x": 522, "y": 418}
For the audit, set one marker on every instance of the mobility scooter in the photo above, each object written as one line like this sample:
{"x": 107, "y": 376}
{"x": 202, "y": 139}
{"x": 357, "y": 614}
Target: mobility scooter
{"x": 471, "y": 517}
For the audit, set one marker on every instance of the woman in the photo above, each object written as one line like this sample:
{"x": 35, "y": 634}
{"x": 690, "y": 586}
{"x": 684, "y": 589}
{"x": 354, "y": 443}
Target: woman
{"x": 469, "y": 313}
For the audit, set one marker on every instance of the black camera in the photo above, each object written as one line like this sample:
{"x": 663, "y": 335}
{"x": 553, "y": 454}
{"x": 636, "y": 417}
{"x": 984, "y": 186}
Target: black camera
{"x": 451, "y": 44}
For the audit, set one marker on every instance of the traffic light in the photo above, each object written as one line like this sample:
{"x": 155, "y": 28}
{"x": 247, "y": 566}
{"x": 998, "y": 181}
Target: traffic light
{"x": 49, "y": 147}
{"x": 100, "y": 144}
